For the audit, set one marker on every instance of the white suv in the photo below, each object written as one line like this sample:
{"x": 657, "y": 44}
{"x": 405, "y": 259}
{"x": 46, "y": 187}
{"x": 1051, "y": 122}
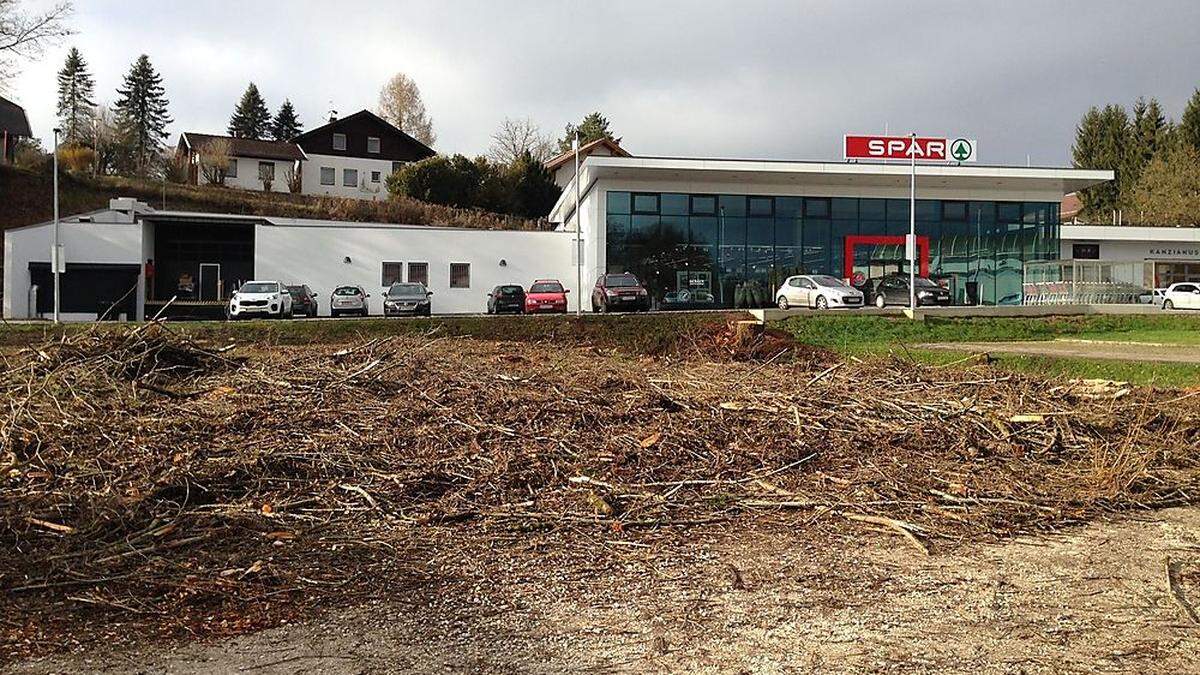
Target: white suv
{"x": 261, "y": 298}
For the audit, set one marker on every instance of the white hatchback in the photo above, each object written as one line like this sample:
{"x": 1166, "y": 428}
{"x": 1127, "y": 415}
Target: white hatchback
{"x": 1183, "y": 295}
{"x": 819, "y": 291}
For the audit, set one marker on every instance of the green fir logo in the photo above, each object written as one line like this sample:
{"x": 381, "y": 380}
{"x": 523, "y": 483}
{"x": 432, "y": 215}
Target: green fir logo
{"x": 960, "y": 149}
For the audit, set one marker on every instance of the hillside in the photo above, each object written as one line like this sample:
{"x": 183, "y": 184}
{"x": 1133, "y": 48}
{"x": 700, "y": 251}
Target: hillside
{"x": 25, "y": 198}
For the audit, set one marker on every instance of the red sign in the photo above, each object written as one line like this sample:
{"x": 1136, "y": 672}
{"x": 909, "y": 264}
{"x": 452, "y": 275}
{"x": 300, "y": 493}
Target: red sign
{"x": 896, "y": 147}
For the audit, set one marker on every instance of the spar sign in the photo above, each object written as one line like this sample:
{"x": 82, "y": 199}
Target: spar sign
{"x": 922, "y": 148}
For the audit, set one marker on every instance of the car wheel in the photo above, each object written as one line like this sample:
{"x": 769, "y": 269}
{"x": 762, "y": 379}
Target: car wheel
{"x": 880, "y": 302}
{"x": 822, "y": 303}
{"x": 782, "y": 302}
{"x": 1168, "y": 305}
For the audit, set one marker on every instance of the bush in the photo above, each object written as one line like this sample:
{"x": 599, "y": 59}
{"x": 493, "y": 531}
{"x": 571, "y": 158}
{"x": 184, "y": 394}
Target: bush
{"x": 76, "y": 158}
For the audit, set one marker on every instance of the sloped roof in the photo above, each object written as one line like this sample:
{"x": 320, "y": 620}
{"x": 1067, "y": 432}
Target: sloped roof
{"x": 13, "y": 119}
{"x": 246, "y": 147}
{"x": 311, "y": 133}
{"x": 614, "y": 147}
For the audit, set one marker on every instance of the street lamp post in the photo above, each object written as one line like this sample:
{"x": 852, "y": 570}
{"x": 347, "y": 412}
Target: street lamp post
{"x": 56, "y": 251}
{"x": 578, "y": 234}
{"x": 912, "y": 228}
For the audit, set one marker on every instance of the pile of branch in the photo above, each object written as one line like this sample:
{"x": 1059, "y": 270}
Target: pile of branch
{"x": 142, "y": 471}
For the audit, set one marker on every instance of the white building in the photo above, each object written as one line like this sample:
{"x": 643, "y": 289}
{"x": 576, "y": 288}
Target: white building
{"x": 348, "y": 157}
{"x": 138, "y": 258}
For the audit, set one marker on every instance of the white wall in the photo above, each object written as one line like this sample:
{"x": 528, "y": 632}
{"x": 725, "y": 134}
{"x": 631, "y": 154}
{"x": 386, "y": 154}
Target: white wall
{"x": 247, "y": 174}
{"x": 116, "y": 243}
{"x": 365, "y": 188}
{"x": 314, "y": 255}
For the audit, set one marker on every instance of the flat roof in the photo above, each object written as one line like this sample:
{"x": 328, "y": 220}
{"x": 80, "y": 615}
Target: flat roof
{"x": 1180, "y": 234}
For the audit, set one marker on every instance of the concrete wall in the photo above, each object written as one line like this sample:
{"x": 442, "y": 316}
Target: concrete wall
{"x": 365, "y": 188}
{"x": 315, "y": 255}
{"x": 104, "y": 242}
{"x": 247, "y": 174}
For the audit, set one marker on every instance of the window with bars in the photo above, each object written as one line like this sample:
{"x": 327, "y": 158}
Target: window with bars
{"x": 460, "y": 275}
{"x": 392, "y": 273}
{"x": 418, "y": 273}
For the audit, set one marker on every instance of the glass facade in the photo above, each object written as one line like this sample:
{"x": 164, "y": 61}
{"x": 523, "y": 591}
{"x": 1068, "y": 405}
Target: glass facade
{"x": 700, "y": 248}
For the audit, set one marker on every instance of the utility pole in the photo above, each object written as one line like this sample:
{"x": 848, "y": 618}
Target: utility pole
{"x": 578, "y": 234}
{"x": 56, "y": 252}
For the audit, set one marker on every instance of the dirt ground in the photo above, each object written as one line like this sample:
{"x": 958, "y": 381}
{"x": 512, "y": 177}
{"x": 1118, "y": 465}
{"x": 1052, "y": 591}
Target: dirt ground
{"x": 1086, "y": 349}
{"x": 1092, "y": 599}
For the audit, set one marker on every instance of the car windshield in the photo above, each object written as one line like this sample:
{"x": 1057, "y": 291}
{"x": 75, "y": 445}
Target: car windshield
{"x": 828, "y": 281}
{"x": 406, "y": 290}
{"x": 259, "y": 287}
{"x": 509, "y": 290}
{"x": 922, "y": 282}
{"x": 296, "y": 291}
{"x": 546, "y": 287}
{"x": 620, "y": 281}
{"x": 346, "y": 290}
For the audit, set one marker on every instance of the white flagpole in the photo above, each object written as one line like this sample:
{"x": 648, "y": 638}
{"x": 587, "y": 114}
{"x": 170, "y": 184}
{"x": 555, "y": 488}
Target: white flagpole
{"x": 578, "y": 236}
{"x": 912, "y": 227}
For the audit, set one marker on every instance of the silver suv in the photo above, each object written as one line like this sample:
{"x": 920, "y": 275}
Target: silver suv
{"x": 349, "y": 300}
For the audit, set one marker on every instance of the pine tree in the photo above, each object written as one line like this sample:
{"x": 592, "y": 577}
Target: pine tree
{"x": 1148, "y": 137}
{"x": 1189, "y": 124}
{"x": 75, "y": 91}
{"x": 592, "y": 128}
{"x": 1102, "y": 141}
{"x": 286, "y": 125}
{"x": 142, "y": 112}
{"x": 251, "y": 119}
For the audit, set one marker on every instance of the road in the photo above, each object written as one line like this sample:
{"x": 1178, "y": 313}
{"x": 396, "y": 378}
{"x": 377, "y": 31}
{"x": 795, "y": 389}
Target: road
{"x": 1083, "y": 349}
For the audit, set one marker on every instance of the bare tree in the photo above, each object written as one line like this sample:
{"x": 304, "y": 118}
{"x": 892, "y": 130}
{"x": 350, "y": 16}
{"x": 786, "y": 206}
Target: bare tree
{"x": 107, "y": 139}
{"x": 518, "y": 136}
{"x": 25, "y": 33}
{"x": 400, "y": 103}
{"x": 214, "y": 161}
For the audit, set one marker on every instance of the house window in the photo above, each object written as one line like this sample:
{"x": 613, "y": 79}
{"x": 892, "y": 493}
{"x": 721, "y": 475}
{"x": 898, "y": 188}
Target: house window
{"x": 372, "y": 145}
{"x": 375, "y": 176}
{"x": 231, "y": 172}
{"x": 349, "y": 177}
{"x": 339, "y": 141}
{"x": 392, "y": 272}
{"x": 266, "y": 171}
{"x": 396, "y": 166}
{"x": 418, "y": 273}
{"x": 460, "y": 275}
{"x": 328, "y": 175}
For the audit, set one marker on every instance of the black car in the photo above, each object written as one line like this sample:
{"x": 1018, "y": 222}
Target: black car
{"x": 893, "y": 290}
{"x": 506, "y": 298}
{"x": 410, "y": 298}
{"x": 304, "y": 301}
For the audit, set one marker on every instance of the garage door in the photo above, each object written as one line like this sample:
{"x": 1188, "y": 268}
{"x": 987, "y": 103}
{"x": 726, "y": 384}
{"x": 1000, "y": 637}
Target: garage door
{"x": 86, "y": 287}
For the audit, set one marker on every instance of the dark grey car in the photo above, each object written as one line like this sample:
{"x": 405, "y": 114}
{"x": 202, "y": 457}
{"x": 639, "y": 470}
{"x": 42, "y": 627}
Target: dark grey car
{"x": 409, "y": 299}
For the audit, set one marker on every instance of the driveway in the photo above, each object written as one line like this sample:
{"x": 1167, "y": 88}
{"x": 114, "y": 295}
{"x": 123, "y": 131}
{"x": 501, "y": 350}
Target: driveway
{"x": 1085, "y": 349}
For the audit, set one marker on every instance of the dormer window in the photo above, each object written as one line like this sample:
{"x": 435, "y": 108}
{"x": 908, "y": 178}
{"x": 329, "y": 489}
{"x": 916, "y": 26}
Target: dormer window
{"x": 373, "y": 145}
{"x": 339, "y": 142}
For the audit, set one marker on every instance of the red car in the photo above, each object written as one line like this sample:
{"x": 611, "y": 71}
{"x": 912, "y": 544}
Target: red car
{"x": 546, "y": 295}
{"x": 619, "y": 292}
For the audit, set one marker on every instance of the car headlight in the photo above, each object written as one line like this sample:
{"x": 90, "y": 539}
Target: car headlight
{"x": 610, "y": 293}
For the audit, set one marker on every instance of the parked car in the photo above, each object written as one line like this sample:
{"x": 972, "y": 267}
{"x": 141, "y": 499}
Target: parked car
{"x": 260, "y": 298}
{"x": 349, "y": 300}
{"x": 304, "y": 301}
{"x": 617, "y": 292}
{"x": 1153, "y": 296}
{"x": 893, "y": 290}
{"x": 546, "y": 295}
{"x": 411, "y": 298}
{"x": 819, "y": 291}
{"x": 506, "y": 298}
{"x": 1182, "y": 295}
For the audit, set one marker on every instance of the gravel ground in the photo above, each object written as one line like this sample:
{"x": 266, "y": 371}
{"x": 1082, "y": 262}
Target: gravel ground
{"x": 1085, "y": 349}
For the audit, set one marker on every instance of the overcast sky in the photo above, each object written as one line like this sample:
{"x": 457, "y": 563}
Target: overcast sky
{"x": 778, "y": 80}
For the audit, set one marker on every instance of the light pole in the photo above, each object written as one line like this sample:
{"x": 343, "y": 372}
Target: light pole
{"x": 912, "y": 227}
{"x": 56, "y": 251}
{"x": 578, "y": 234}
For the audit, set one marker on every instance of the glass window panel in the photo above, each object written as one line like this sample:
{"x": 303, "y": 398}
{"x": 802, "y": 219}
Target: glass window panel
{"x": 789, "y": 206}
{"x": 841, "y": 228}
{"x": 956, "y": 211}
{"x": 1008, "y": 212}
{"x": 704, "y": 205}
{"x": 872, "y": 209}
{"x": 897, "y": 210}
{"x": 816, "y": 207}
{"x": 1035, "y": 213}
{"x": 761, "y": 232}
{"x": 674, "y": 229}
{"x": 703, "y": 230}
{"x": 645, "y": 203}
{"x": 982, "y": 213}
{"x": 733, "y": 206}
{"x": 844, "y": 209}
{"x": 643, "y": 229}
{"x": 760, "y": 206}
{"x": 816, "y": 247}
{"x": 618, "y": 202}
{"x": 618, "y": 228}
{"x": 673, "y": 205}
{"x": 928, "y": 210}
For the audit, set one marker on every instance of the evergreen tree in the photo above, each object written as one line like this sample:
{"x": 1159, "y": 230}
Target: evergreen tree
{"x": 1189, "y": 124}
{"x": 593, "y": 127}
{"x": 142, "y": 112}
{"x": 1148, "y": 137}
{"x": 532, "y": 188}
{"x": 286, "y": 125}
{"x": 251, "y": 119}
{"x": 75, "y": 91}
{"x": 1102, "y": 141}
